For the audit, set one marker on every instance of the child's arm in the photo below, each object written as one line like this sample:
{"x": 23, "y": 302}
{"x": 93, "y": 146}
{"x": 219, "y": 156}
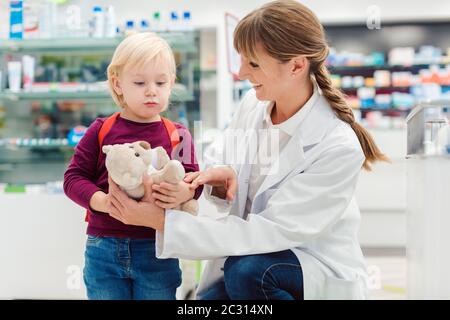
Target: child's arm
{"x": 82, "y": 171}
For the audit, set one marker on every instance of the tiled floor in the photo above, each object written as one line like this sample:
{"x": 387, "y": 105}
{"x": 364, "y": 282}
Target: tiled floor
{"x": 387, "y": 273}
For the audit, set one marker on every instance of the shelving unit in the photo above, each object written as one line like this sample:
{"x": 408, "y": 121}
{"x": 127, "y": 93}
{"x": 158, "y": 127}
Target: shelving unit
{"x": 32, "y": 162}
{"x": 385, "y": 206}
{"x": 178, "y": 95}
{"x": 407, "y": 63}
{"x": 362, "y": 68}
{"x": 396, "y": 106}
{"x": 34, "y": 123}
{"x": 179, "y": 41}
{"x": 368, "y": 72}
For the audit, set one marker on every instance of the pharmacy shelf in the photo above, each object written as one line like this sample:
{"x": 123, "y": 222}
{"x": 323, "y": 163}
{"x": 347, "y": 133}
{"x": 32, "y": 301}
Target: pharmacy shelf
{"x": 385, "y": 110}
{"x": 383, "y": 89}
{"x": 36, "y": 148}
{"x": 33, "y": 142}
{"x": 178, "y": 95}
{"x": 54, "y": 95}
{"x": 392, "y": 89}
{"x": 59, "y": 45}
{"x": 385, "y": 66}
{"x": 177, "y": 40}
{"x": 33, "y": 156}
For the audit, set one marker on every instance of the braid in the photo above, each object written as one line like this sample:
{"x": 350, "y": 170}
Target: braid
{"x": 336, "y": 99}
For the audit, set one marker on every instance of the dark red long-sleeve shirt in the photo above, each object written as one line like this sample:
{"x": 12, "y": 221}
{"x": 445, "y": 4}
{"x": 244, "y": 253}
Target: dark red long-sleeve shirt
{"x": 87, "y": 174}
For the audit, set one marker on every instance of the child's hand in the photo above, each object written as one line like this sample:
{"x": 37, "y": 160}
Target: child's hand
{"x": 99, "y": 202}
{"x": 169, "y": 196}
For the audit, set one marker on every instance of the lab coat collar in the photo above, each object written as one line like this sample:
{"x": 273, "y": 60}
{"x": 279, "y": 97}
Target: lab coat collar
{"x": 290, "y": 125}
{"x": 316, "y": 121}
{"x": 309, "y": 122}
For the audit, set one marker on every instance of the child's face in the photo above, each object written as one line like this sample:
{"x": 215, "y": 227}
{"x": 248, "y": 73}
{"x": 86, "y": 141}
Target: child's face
{"x": 145, "y": 90}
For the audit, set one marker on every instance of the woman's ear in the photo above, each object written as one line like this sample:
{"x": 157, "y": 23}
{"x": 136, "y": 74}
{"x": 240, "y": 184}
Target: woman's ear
{"x": 298, "y": 65}
{"x": 116, "y": 85}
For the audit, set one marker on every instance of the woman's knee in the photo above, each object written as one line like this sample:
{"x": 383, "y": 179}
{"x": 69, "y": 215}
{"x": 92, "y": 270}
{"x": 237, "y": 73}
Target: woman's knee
{"x": 243, "y": 272}
{"x": 275, "y": 275}
{"x": 244, "y": 265}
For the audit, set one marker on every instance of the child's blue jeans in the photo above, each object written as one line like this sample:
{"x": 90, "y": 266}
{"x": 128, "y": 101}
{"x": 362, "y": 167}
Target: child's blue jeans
{"x": 125, "y": 269}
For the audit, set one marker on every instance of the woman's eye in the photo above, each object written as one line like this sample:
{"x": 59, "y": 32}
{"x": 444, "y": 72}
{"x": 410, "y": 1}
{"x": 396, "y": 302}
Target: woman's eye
{"x": 160, "y": 83}
{"x": 136, "y": 154}
{"x": 139, "y": 83}
{"x": 253, "y": 65}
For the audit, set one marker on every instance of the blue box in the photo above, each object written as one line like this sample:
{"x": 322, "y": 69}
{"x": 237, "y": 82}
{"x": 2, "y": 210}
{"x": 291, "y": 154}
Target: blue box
{"x": 16, "y": 19}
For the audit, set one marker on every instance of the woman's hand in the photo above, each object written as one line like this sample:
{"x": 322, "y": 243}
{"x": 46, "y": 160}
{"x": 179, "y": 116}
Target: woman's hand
{"x": 169, "y": 195}
{"x": 139, "y": 213}
{"x": 222, "y": 179}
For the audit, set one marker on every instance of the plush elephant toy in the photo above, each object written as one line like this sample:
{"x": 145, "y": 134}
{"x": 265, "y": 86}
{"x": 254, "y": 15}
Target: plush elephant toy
{"x": 127, "y": 163}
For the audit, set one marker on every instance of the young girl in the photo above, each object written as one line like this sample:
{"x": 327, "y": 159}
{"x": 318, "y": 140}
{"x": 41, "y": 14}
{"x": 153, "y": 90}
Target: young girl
{"x": 120, "y": 260}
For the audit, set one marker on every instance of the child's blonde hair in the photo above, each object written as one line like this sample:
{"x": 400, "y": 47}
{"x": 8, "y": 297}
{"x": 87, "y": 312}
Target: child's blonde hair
{"x": 135, "y": 51}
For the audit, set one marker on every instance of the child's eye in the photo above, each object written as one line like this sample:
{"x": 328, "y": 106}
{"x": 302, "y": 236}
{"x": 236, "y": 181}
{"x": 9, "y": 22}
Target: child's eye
{"x": 139, "y": 83}
{"x": 253, "y": 65}
{"x": 161, "y": 83}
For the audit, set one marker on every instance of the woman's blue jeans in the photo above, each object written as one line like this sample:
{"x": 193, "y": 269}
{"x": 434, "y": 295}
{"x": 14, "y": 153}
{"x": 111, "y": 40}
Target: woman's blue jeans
{"x": 271, "y": 276}
{"x": 125, "y": 269}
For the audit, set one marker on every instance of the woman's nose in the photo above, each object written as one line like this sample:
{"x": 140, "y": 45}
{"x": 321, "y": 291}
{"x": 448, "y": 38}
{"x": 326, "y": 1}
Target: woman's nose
{"x": 243, "y": 73}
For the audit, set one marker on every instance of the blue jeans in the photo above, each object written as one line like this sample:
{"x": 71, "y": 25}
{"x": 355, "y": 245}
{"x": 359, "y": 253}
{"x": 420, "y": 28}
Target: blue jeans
{"x": 271, "y": 276}
{"x": 125, "y": 269}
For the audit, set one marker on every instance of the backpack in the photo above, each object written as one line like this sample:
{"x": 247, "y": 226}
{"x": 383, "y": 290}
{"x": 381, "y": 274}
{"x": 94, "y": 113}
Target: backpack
{"x": 108, "y": 124}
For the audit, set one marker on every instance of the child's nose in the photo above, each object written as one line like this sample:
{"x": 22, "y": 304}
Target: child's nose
{"x": 150, "y": 91}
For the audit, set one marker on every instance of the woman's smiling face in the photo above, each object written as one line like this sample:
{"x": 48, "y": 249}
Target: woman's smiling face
{"x": 269, "y": 77}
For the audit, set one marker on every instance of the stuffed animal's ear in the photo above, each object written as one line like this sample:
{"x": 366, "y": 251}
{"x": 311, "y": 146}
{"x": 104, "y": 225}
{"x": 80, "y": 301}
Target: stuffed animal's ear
{"x": 162, "y": 157}
{"x": 106, "y": 148}
{"x": 144, "y": 144}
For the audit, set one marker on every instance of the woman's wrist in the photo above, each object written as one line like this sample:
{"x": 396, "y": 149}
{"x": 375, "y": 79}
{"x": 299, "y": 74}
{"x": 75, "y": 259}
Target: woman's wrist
{"x": 161, "y": 219}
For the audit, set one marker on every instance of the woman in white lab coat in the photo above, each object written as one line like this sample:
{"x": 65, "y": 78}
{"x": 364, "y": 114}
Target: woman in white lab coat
{"x": 292, "y": 157}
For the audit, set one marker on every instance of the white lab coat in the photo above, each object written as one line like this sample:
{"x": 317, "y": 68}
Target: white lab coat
{"x": 308, "y": 206}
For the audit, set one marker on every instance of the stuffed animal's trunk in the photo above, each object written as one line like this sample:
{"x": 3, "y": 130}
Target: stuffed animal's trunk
{"x": 173, "y": 172}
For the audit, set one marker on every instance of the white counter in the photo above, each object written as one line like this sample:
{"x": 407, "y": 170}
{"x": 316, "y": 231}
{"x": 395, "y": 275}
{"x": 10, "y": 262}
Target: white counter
{"x": 43, "y": 240}
{"x": 428, "y": 228}
{"x": 42, "y": 254}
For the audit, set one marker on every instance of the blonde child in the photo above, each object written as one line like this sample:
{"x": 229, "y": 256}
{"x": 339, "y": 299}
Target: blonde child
{"x": 120, "y": 260}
